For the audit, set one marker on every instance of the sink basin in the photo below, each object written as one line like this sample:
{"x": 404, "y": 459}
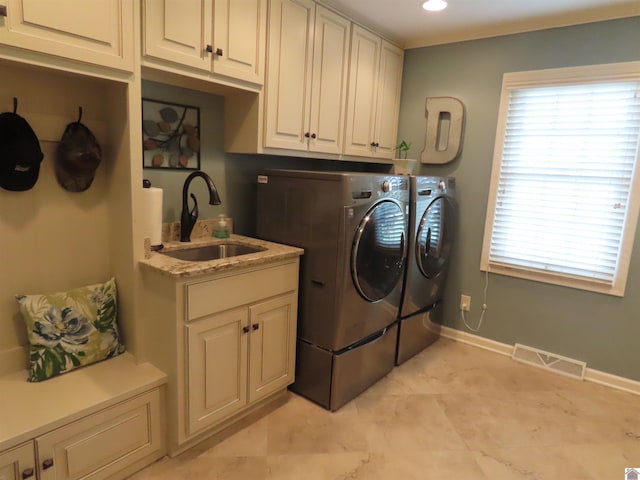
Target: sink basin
{"x": 213, "y": 252}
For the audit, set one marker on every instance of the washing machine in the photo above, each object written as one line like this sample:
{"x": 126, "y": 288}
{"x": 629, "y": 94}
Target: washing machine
{"x": 432, "y": 225}
{"x": 353, "y": 229}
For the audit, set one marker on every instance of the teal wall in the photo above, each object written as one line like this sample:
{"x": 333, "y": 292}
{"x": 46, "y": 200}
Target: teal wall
{"x": 602, "y": 330}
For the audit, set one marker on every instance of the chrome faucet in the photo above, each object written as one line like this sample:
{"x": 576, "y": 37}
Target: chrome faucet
{"x": 188, "y": 218}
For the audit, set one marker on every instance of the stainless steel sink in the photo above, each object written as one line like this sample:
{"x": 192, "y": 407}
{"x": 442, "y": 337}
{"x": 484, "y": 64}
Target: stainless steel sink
{"x": 213, "y": 252}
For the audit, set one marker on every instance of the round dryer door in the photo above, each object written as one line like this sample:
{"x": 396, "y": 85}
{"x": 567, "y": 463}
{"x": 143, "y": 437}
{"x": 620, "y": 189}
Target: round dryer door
{"x": 378, "y": 253}
{"x": 434, "y": 237}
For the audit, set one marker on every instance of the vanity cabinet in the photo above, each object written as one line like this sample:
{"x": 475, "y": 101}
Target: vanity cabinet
{"x": 237, "y": 357}
{"x": 375, "y": 78}
{"x": 307, "y": 77}
{"x": 225, "y": 37}
{"x": 106, "y": 444}
{"x": 227, "y": 342}
{"x": 99, "y": 32}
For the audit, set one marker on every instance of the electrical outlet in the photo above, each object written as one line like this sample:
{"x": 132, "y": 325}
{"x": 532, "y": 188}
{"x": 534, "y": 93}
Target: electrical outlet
{"x": 465, "y": 303}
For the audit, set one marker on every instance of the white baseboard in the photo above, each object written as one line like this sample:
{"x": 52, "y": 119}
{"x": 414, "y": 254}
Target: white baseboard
{"x": 477, "y": 341}
{"x": 591, "y": 375}
{"x": 613, "y": 381}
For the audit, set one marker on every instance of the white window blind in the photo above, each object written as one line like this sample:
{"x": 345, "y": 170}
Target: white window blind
{"x": 561, "y": 199}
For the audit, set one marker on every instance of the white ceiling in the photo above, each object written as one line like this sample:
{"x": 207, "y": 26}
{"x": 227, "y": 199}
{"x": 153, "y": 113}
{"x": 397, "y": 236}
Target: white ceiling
{"x": 405, "y": 22}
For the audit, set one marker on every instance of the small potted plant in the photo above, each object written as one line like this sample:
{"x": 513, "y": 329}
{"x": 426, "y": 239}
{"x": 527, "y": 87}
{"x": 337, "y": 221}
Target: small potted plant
{"x": 403, "y": 165}
{"x": 403, "y": 149}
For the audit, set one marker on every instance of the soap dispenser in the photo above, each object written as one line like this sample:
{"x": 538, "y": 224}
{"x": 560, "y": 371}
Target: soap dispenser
{"x": 222, "y": 229}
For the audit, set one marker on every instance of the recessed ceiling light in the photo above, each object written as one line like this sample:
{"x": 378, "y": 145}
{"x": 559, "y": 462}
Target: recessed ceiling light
{"x": 434, "y": 5}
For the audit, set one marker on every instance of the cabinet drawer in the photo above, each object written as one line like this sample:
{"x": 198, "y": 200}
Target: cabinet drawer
{"x": 213, "y": 296}
{"x": 99, "y": 445}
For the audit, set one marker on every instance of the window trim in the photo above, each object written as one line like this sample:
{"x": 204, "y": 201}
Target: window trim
{"x": 629, "y": 71}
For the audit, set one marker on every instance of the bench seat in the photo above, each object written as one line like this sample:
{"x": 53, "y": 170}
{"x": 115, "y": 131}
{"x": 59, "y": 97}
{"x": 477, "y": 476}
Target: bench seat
{"x": 28, "y": 410}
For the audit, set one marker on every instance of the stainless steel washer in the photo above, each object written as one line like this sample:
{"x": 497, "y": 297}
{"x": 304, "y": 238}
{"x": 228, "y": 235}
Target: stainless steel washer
{"x": 432, "y": 224}
{"x": 352, "y": 227}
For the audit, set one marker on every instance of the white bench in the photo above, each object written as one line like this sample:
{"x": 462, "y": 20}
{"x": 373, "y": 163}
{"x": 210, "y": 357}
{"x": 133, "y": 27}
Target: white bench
{"x": 100, "y": 421}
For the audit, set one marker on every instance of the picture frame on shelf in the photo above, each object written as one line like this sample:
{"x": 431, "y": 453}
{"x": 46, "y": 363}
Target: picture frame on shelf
{"x": 170, "y": 135}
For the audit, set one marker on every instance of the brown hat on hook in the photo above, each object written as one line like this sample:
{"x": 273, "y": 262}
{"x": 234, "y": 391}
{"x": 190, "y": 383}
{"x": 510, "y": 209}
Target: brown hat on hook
{"x": 20, "y": 153}
{"x": 77, "y": 157}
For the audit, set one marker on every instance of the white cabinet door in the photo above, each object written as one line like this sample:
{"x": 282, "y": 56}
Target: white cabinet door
{"x": 288, "y": 89}
{"x": 97, "y": 31}
{"x": 217, "y": 367}
{"x": 361, "y": 104}
{"x": 98, "y": 446}
{"x": 329, "y": 81}
{"x": 18, "y": 463}
{"x": 373, "y": 105}
{"x": 388, "y": 100}
{"x": 178, "y": 31}
{"x": 307, "y": 77}
{"x": 272, "y": 345}
{"x": 239, "y": 35}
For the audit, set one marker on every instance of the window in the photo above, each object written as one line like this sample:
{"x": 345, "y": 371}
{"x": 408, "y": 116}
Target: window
{"x": 565, "y": 192}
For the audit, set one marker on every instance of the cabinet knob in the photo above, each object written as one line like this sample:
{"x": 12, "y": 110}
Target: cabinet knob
{"x": 209, "y": 48}
{"x": 255, "y": 326}
{"x": 27, "y": 472}
{"x": 307, "y": 134}
{"x": 245, "y": 329}
{"x": 219, "y": 52}
{"x": 373, "y": 144}
{"x": 47, "y": 463}
{"x": 313, "y": 135}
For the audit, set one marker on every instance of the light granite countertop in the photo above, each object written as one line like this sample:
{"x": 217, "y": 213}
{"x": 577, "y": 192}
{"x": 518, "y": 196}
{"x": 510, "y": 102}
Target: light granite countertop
{"x": 176, "y": 268}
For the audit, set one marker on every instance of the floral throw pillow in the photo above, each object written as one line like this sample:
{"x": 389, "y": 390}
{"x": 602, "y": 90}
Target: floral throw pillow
{"x": 70, "y": 329}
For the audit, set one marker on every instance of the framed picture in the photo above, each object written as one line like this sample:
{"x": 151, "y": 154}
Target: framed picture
{"x": 170, "y": 135}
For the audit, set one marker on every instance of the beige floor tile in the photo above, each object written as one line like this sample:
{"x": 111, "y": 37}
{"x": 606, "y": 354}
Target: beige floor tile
{"x": 406, "y": 423}
{"x": 605, "y": 460}
{"x": 248, "y": 442}
{"x": 518, "y": 376}
{"x": 539, "y": 463}
{"x": 229, "y": 468}
{"x": 423, "y": 465}
{"x": 316, "y": 467}
{"x": 164, "y": 469}
{"x": 520, "y": 419}
{"x": 376, "y": 466}
{"x": 301, "y": 427}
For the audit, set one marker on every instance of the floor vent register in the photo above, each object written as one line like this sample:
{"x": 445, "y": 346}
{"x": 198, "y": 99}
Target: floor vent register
{"x": 549, "y": 361}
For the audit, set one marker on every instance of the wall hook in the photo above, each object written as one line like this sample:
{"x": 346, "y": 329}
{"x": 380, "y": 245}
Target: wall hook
{"x": 79, "y": 114}
{"x": 15, "y": 104}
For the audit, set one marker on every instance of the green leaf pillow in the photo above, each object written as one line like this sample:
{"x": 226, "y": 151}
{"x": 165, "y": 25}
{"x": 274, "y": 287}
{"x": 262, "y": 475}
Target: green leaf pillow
{"x": 70, "y": 329}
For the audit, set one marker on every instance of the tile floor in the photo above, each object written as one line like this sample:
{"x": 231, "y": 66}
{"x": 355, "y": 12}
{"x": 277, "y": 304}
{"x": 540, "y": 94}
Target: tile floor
{"x": 453, "y": 411}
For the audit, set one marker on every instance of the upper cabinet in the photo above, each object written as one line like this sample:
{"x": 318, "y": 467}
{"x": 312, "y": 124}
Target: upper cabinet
{"x": 373, "y": 106}
{"x": 99, "y": 32}
{"x": 224, "y": 37}
{"x": 307, "y": 77}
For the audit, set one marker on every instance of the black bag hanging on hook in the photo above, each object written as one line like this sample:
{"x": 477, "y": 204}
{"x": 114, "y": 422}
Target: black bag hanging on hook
{"x": 20, "y": 153}
{"x": 77, "y": 157}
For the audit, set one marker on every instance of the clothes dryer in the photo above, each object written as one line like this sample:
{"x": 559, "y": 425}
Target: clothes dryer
{"x": 352, "y": 227}
{"x": 432, "y": 224}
